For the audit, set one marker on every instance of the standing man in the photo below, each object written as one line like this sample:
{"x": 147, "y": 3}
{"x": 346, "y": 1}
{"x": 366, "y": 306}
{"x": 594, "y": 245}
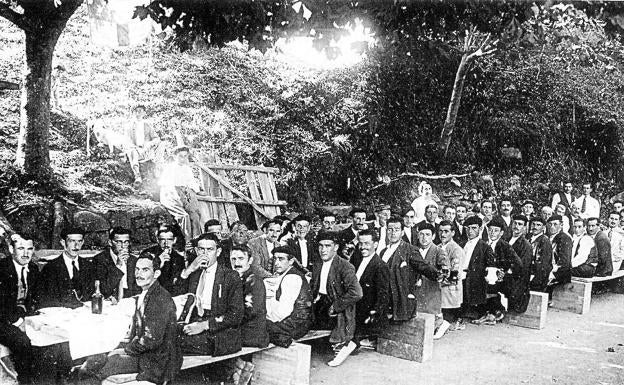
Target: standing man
{"x": 409, "y": 232}
{"x": 374, "y": 277}
{"x": 589, "y": 206}
{"x": 68, "y": 280}
{"x": 584, "y": 258}
{"x": 541, "y": 263}
{"x": 405, "y": 263}
{"x": 289, "y": 305}
{"x": 528, "y": 209}
{"x": 452, "y": 293}
{"x": 546, "y": 212}
{"x": 18, "y": 279}
{"x": 431, "y": 217}
{"x": 519, "y": 292}
{"x": 486, "y": 214}
{"x": 505, "y": 215}
{"x": 328, "y": 221}
{"x": 562, "y": 252}
{"x": 261, "y": 249}
{"x": 145, "y": 142}
{"x": 151, "y": 349}
{"x": 382, "y": 213}
{"x": 335, "y": 289}
{"x": 460, "y": 231}
{"x": 358, "y": 218}
{"x": 171, "y": 262}
{"x": 219, "y": 304}
{"x": 253, "y": 327}
{"x": 602, "y": 250}
{"x": 114, "y": 267}
{"x": 564, "y": 197}
{"x": 616, "y": 236}
{"x": 304, "y": 244}
{"x": 479, "y": 256}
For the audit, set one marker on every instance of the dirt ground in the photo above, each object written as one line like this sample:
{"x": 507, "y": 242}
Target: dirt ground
{"x": 571, "y": 349}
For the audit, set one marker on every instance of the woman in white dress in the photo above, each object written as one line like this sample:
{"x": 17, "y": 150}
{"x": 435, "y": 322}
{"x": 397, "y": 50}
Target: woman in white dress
{"x": 425, "y": 198}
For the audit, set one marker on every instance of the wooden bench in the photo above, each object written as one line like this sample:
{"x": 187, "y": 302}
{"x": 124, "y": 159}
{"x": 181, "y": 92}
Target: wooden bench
{"x": 273, "y": 364}
{"x": 410, "y": 340}
{"x": 575, "y": 296}
{"x": 535, "y": 315}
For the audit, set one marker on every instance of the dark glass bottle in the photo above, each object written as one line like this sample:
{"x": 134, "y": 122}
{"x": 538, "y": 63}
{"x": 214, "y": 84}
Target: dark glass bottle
{"x": 96, "y": 299}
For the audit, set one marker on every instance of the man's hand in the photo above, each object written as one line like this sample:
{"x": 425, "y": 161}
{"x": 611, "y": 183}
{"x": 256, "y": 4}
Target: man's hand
{"x": 165, "y": 256}
{"x": 195, "y": 328}
{"x": 197, "y": 263}
{"x": 113, "y": 300}
{"x": 331, "y": 312}
{"x": 124, "y": 254}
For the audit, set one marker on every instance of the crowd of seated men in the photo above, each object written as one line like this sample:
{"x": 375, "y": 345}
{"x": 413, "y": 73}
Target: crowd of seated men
{"x": 457, "y": 264}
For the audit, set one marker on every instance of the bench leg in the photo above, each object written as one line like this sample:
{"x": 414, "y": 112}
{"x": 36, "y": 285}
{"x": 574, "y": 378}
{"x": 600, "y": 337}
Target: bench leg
{"x": 283, "y": 366}
{"x": 411, "y": 340}
{"x": 574, "y": 297}
{"x": 535, "y": 315}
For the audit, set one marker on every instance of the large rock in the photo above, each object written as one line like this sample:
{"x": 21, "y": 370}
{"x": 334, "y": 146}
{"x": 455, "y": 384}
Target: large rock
{"x": 91, "y": 222}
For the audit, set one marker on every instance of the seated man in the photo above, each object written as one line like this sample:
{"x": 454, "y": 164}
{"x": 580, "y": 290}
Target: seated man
{"x": 584, "y": 259}
{"x": 253, "y": 328}
{"x": 18, "y": 279}
{"x": 219, "y": 305}
{"x": 145, "y": 142}
{"x": 289, "y": 304}
{"x": 67, "y": 280}
{"x": 152, "y": 349}
{"x": 171, "y": 262}
{"x": 335, "y": 289}
{"x": 541, "y": 262}
{"x": 602, "y": 248}
{"x": 114, "y": 267}
{"x": 261, "y": 248}
{"x": 562, "y": 252}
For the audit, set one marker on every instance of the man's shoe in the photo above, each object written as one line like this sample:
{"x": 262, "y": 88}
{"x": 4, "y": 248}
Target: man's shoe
{"x": 441, "y": 330}
{"x": 367, "y": 344}
{"x": 499, "y": 315}
{"x": 343, "y": 354}
{"x": 489, "y": 320}
{"x": 481, "y": 320}
{"x": 460, "y": 324}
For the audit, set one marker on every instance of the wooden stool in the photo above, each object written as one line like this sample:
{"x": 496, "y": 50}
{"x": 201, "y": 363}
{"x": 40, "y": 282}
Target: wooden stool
{"x": 535, "y": 315}
{"x": 411, "y": 340}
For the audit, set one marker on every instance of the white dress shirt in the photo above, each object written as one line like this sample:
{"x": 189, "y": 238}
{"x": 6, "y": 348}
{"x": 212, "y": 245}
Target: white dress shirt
{"x": 592, "y": 207}
{"x": 390, "y": 251}
{"x": 383, "y": 231}
{"x": 180, "y": 175}
{"x": 324, "y": 274}
{"x": 121, "y": 265}
{"x": 68, "y": 263}
{"x": 617, "y": 244}
{"x": 278, "y": 310}
{"x": 468, "y": 250}
{"x": 513, "y": 240}
{"x": 557, "y": 199}
{"x": 362, "y": 267}
{"x": 22, "y": 291}
{"x": 423, "y": 252}
{"x": 408, "y": 232}
{"x": 581, "y": 247}
{"x": 205, "y": 296}
{"x": 303, "y": 244}
{"x": 269, "y": 246}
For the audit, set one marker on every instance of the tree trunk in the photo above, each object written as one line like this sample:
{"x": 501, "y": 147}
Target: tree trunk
{"x": 451, "y": 115}
{"x": 33, "y": 156}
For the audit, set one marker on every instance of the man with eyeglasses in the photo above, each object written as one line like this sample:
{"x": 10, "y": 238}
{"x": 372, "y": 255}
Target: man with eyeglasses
{"x": 114, "y": 267}
{"x": 329, "y": 221}
{"x": 68, "y": 280}
{"x": 171, "y": 262}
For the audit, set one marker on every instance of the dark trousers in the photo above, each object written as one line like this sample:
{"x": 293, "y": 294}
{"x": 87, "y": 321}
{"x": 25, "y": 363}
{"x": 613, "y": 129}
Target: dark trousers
{"x": 202, "y": 344}
{"x": 451, "y": 315}
{"x": 19, "y": 344}
{"x": 322, "y": 320}
{"x": 584, "y": 271}
{"x": 284, "y": 332}
{"x": 115, "y": 362}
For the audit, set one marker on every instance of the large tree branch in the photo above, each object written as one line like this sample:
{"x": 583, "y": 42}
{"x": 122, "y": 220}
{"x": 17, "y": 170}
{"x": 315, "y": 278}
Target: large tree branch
{"x": 14, "y": 17}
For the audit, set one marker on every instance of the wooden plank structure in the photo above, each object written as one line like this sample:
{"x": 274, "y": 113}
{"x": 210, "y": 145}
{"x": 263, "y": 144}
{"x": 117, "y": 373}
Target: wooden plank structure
{"x": 535, "y": 315}
{"x": 576, "y": 295}
{"x": 222, "y": 197}
{"x": 410, "y": 340}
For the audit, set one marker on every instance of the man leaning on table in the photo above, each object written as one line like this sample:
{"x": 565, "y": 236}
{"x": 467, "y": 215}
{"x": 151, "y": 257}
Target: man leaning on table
{"x": 151, "y": 349}
{"x": 68, "y": 280}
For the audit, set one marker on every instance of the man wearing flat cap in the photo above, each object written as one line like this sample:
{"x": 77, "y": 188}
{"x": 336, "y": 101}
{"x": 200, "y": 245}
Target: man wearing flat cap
{"x": 304, "y": 244}
{"x": 289, "y": 300}
{"x": 335, "y": 289}
{"x": 519, "y": 294}
{"x": 562, "y": 252}
{"x": 541, "y": 263}
{"x": 479, "y": 256}
{"x": 509, "y": 270}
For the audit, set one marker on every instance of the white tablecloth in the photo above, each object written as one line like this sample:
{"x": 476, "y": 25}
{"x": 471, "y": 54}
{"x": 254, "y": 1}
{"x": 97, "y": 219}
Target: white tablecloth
{"x": 86, "y": 333}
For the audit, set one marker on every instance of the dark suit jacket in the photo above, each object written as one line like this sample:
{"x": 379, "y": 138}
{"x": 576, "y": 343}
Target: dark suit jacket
{"x": 541, "y": 263}
{"x": 562, "y": 255}
{"x": 227, "y": 308}
{"x": 475, "y": 291}
{"x": 405, "y": 265}
{"x": 346, "y": 235}
{"x": 375, "y": 283}
{"x": 253, "y": 328}
{"x": 9, "y": 311}
{"x": 170, "y": 271}
{"x": 344, "y": 290}
{"x": 429, "y": 293}
{"x": 312, "y": 247}
{"x": 56, "y": 287}
{"x": 414, "y": 239}
{"x": 154, "y": 339}
{"x": 515, "y": 283}
{"x": 460, "y": 236}
{"x": 507, "y": 232}
{"x": 262, "y": 260}
{"x": 109, "y": 275}
{"x": 603, "y": 250}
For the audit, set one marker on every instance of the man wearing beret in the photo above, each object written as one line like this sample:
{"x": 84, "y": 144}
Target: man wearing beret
{"x": 509, "y": 271}
{"x": 479, "y": 256}
{"x": 541, "y": 263}
{"x": 562, "y": 251}
{"x": 335, "y": 289}
{"x": 289, "y": 300}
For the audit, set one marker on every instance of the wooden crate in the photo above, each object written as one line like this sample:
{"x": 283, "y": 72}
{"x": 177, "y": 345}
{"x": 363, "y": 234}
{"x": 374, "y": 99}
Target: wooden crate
{"x": 410, "y": 340}
{"x": 535, "y": 315}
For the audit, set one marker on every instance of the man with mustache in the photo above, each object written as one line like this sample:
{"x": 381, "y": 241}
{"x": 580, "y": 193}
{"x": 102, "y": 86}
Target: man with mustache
{"x": 171, "y": 262}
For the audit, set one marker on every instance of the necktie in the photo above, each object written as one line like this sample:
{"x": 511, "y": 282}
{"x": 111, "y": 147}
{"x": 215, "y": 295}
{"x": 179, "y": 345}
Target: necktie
{"x": 23, "y": 278}
{"x": 610, "y": 234}
{"x": 584, "y": 206}
{"x": 200, "y": 292}
{"x": 74, "y": 271}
